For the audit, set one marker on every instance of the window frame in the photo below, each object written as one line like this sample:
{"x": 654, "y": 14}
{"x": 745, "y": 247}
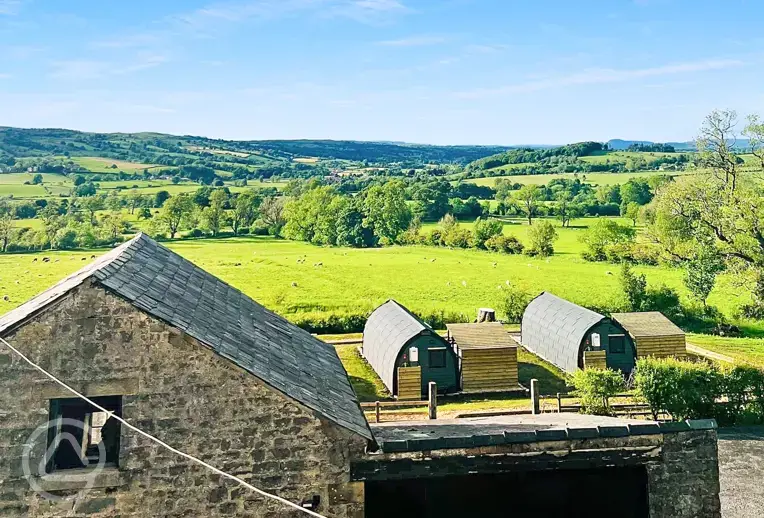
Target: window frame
{"x": 439, "y": 351}
{"x": 622, "y": 349}
{"x": 62, "y": 411}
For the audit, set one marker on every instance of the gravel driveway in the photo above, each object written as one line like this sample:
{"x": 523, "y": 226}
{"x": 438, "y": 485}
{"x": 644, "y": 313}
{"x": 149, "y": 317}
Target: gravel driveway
{"x": 741, "y": 472}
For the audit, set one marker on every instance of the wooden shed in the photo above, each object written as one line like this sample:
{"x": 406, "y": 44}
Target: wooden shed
{"x": 653, "y": 334}
{"x": 487, "y": 356}
{"x": 573, "y": 337}
{"x": 407, "y": 354}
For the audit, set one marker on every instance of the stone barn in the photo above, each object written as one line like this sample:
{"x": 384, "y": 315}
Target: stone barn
{"x": 189, "y": 359}
{"x": 572, "y": 337}
{"x": 408, "y": 354}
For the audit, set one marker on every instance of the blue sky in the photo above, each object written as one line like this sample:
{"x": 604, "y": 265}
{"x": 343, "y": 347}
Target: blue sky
{"x": 441, "y": 72}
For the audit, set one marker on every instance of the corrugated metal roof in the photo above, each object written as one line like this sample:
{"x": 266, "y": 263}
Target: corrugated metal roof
{"x": 389, "y": 328}
{"x": 554, "y": 329}
{"x": 481, "y": 335}
{"x": 161, "y": 283}
{"x": 648, "y": 323}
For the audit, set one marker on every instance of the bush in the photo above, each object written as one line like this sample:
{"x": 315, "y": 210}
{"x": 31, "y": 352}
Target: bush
{"x": 434, "y": 238}
{"x": 542, "y": 236}
{"x": 512, "y": 303}
{"x": 684, "y": 390}
{"x": 504, "y": 244}
{"x": 458, "y": 238}
{"x": 196, "y": 233}
{"x": 486, "y": 229}
{"x": 595, "y": 386}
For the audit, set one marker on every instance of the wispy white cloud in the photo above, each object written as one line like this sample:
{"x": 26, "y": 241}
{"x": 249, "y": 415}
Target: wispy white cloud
{"x": 413, "y": 41}
{"x": 6, "y": 76}
{"x": 82, "y": 69}
{"x": 10, "y": 7}
{"x": 604, "y": 75}
{"x": 485, "y": 49}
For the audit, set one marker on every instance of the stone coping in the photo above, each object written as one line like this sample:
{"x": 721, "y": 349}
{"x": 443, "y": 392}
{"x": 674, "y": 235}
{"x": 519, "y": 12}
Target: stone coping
{"x": 475, "y": 433}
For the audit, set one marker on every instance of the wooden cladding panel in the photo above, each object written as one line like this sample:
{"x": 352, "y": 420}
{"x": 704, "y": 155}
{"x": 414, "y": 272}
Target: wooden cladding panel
{"x": 489, "y": 369}
{"x": 595, "y": 360}
{"x": 409, "y": 383}
{"x": 661, "y": 346}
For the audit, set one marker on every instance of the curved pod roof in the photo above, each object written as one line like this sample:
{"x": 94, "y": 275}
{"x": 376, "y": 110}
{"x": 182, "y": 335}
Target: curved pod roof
{"x": 554, "y": 329}
{"x": 389, "y": 328}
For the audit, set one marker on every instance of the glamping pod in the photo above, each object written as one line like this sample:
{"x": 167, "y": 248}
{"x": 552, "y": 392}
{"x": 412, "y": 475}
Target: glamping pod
{"x": 407, "y": 354}
{"x": 572, "y": 337}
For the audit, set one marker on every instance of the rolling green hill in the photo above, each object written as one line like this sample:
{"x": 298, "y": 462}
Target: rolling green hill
{"x": 158, "y": 148}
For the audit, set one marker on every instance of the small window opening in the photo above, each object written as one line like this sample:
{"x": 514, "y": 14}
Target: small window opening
{"x": 617, "y": 344}
{"x": 82, "y": 436}
{"x": 437, "y": 358}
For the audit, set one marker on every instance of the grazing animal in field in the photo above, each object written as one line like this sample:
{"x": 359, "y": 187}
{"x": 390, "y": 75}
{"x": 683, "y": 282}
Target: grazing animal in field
{"x": 34, "y": 260}
{"x": 84, "y": 258}
{"x": 92, "y": 256}
{"x": 432, "y": 260}
{"x": 46, "y": 259}
{"x": 294, "y": 284}
{"x": 494, "y": 264}
{"x": 608, "y": 272}
{"x": 464, "y": 283}
{"x": 6, "y": 298}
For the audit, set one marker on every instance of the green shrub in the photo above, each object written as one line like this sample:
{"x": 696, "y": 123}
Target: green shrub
{"x": 434, "y": 238}
{"x": 683, "y": 389}
{"x": 459, "y": 238}
{"x": 512, "y": 303}
{"x": 595, "y": 386}
{"x": 504, "y": 244}
{"x": 486, "y": 229}
{"x": 542, "y": 236}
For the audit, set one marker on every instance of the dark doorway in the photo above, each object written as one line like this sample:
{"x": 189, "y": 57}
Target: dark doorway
{"x": 589, "y": 493}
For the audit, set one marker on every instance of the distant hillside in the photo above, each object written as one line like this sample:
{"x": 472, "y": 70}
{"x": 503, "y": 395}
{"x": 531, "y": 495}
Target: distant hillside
{"x": 537, "y": 155}
{"x": 621, "y": 145}
{"x": 153, "y": 147}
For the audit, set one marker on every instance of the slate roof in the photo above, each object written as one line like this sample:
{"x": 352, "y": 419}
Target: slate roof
{"x": 554, "y": 329}
{"x": 389, "y": 328}
{"x": 480, "y": 336}
{"x": 161, "y": 283}
{"x": 648, "y": 323}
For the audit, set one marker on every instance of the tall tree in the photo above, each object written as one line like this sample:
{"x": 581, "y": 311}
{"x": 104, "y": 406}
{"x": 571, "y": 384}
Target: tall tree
{"x": 528, "y": 200}
{"x": 7, "y": 230}
{"x": 214, "y": 215}
{"x": 387, "y": 211}
{"x": 176, "y": 212}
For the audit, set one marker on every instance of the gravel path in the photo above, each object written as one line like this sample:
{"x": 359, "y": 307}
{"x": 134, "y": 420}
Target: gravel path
{"x": 741, "y": 472}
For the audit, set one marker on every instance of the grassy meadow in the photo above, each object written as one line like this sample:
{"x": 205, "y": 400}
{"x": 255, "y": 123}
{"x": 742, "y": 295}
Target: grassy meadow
{"x": 347, "y": 280}
{"x": 593, "y": 178}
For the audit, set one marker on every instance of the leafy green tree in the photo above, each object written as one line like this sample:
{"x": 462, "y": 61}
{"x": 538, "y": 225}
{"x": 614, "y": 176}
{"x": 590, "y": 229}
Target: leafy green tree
{"x": 309, "y": 217}
{"x": 721, "y": 204}
{"x": 92, "y": 205}
{"x": 272, "y": 214}
{"x": 542, "y": 237}
{"x": 701, "y": 271}
{"x": 528, "y": 199}
{"x": 634, "y": 287}
{"x": 85, "y": 189}
{"x": 213, "y": 216}
{"x": 631, "y": 211}
{"x": 387, "y": 211}
{"x": 351, "y": 230}
{"x": 7, "y": 231}
{"x": 512, "y": 303}
{"x": 144, "y": 213}
{"x": 159, "y": 198}
{"x": 78, "y": 180}
{"x": 604, "y": 233}
{"x": 37, "y": 179}
{"x": 245, "y": 210}
{"x": 485, "y": 229}
{"x": 134, "y": 200}
{"x": 175, "y": 212}
{"x": 564, "y": 207}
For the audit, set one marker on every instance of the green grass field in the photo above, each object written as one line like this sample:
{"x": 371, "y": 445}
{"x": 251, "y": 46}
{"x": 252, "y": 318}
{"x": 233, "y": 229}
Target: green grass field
{"x": 104, "y": 165}
{"x": 593, "y": 178}
{"x": 426, "y": 279}
{"x": 623, "y": 156}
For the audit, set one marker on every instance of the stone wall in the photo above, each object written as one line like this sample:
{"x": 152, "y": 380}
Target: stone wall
{"x": 686, "y": 481}
{"x": 183, "y": 393}
{"x": 682, "y": 466}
